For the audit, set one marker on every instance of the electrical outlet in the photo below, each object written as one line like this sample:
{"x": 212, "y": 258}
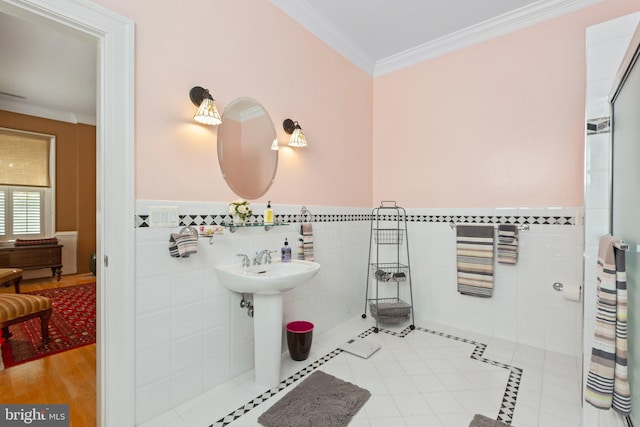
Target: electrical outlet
{"x": 163, "y": 216}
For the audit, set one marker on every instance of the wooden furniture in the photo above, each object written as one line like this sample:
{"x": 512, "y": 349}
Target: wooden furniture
{"x": 11, "y": 276}
{"x": 33, "y": 257}
{"x": 17, "y": 308}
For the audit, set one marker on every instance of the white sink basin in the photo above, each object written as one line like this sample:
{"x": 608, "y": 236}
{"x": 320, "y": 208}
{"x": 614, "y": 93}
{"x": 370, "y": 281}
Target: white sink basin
{"x": 267, "y": 278}
{"x": 267, "y": 283}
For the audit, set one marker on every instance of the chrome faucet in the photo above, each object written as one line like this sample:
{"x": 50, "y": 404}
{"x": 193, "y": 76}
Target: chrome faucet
{"x": 266, "y": 253}
{"x": 245, "y": 260}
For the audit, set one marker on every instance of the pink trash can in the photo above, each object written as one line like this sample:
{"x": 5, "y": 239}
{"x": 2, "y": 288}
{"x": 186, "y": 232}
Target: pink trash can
{"x": 299, "y": 337}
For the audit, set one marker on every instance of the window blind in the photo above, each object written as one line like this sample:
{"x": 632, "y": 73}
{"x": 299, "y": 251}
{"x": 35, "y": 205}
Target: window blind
{"x": 24, "y": 159}
{"x": 27, "y": 212}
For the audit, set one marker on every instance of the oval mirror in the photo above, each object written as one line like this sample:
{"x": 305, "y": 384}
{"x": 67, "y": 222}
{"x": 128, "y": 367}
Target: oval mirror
{"x": 246, "y": 159}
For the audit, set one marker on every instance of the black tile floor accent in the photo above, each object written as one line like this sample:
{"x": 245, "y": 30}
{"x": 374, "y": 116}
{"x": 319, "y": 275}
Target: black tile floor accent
{"x": 505, "y": 413}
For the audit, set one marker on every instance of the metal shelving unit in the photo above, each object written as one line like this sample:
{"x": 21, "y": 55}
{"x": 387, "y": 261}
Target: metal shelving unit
{"x": 388, "y": 271}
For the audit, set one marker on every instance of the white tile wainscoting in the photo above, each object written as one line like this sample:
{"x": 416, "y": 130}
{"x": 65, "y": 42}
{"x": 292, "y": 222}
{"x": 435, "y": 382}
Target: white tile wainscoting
{"x": 192, "y": 335}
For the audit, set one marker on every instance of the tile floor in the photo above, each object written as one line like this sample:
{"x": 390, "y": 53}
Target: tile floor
{"x": 431, "y": 376}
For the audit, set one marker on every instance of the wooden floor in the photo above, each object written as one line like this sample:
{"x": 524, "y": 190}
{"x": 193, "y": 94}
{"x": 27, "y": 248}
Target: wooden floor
{"x": 67, "y": 377}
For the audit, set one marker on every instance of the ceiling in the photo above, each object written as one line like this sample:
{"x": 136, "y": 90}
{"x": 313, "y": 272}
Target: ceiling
{"x": 381, "y": 36}
{"x": 51, "y": 72}
{"x": 47, "y": 71}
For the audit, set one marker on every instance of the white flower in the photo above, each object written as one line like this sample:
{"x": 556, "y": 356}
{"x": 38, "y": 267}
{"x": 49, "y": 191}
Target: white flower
{"x": 241, "y": 208}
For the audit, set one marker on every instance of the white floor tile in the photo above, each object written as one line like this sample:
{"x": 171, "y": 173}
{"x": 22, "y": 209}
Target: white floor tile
{"x": 443, "y": 402}
{"x": 412, "y": 404}
{"x": 422, "y": 421}
{"x": 423, "y": 379}
{"x": 381, "y": 407}
{"x": 455, "y": 381}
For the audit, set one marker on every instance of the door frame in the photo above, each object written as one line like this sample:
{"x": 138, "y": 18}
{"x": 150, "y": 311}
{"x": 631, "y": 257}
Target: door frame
{"x": 115, "y": 240}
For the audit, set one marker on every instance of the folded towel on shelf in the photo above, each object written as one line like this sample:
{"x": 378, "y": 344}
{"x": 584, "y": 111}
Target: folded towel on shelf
{"x": 305, "y": 242}
{"x": 507, "y": 244}
{"x": 607, "y": 379}
{"x": 181, "y": 245}
{"x": 474, "y": 248}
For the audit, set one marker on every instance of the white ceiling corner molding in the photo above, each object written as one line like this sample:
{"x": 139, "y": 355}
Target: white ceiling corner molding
{"x": 44, "y": 112}
{"x": 498, "y": 26}
{"x": 314, "y": 22}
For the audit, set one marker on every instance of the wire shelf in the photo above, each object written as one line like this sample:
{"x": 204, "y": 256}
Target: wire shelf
{"x": 388, "y": 236}
{"x": 389, "y": 310}
{"x": 389, "y": 271}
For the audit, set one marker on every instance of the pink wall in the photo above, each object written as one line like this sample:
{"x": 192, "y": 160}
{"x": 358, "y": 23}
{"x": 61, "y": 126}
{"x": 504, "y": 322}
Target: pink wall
{"x": 236, "y": 49}
{"x": 498, "y": 124}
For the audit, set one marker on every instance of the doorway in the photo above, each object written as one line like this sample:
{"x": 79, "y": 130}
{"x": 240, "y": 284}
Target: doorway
{"x": 115, "y": 201}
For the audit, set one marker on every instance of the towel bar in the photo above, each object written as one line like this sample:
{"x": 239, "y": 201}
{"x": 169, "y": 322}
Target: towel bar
{"x": 521, "y": 227}
{"x": 627, "y": 247}
{"x": 305, "y": 215}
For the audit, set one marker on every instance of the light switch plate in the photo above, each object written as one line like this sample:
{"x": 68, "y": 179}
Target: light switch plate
{"x": 163, "y": 216}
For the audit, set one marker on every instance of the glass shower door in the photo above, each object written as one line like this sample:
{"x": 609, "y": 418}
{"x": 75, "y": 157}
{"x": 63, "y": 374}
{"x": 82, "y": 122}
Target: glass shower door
{"x": 625, "y": 206}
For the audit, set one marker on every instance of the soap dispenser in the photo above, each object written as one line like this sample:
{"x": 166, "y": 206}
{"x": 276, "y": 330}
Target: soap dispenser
{"x": 285, "y": 252}
{"x": 268, "y": 214}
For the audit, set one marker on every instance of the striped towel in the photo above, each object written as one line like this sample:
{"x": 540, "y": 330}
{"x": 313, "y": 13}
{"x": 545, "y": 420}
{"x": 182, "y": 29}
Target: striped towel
{"x": 507, "y": 244}
{"x": 305, "y": 242}
{"x": 474, "y": 246}
{"x": 607, "y": 380}
{"x": 182, "y": 245}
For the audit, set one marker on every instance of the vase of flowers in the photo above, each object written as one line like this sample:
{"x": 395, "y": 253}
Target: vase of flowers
{"x": 240, "y": 210}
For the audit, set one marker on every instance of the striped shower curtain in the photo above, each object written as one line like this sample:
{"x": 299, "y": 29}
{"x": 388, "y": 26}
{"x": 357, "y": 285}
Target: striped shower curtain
{"x": 607, "y": 380}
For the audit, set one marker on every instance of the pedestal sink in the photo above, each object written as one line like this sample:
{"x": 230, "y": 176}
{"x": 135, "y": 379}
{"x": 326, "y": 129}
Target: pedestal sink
{"x": 267, "y": 283}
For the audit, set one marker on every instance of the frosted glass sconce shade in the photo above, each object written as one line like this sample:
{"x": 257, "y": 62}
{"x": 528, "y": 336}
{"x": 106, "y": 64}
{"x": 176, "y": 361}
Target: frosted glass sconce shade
{"x": 207, "y": 111}
{"x": 297, "y": 138}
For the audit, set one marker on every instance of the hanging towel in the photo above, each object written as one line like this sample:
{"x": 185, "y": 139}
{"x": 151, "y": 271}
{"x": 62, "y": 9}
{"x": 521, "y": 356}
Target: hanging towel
{"x": 181, "y": 245}
{"x": 474, "y": 246}
{"x": 507, "y": 244}
{"x": 305, "y": 242}
{"x": 607, "y": 380}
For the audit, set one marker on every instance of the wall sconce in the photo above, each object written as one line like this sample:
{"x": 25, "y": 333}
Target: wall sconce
{"x": 207, "y": 111}
{"x": 297, "y": 137}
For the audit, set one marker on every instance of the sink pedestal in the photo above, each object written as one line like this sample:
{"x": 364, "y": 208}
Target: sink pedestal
{"x": 267, "y": 283}
{"x": 267, "y": 333}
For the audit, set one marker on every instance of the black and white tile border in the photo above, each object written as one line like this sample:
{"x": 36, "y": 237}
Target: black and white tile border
{"x": 505, "y": 413}
{"x": 142, "y": 221}
{"x": 508, "y": 404}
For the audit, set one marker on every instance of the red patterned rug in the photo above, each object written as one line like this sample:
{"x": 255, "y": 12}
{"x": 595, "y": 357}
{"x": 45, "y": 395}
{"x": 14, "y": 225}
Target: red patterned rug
{"x": 72, "y": 325}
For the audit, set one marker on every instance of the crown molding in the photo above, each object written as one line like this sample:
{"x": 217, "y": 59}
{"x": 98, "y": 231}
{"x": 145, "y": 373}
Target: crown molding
{"x": 45, "y": 113}
{"x": 250, "y": 113}
{"x": 314, "y": 22}
{"x": 506, "y": 23}
{"x": 515, "y": 20}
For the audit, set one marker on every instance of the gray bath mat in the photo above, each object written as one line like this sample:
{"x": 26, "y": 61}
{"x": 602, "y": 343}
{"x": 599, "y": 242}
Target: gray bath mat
{"x": 320, "y": 400}
{"x": 482, "y": 421}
